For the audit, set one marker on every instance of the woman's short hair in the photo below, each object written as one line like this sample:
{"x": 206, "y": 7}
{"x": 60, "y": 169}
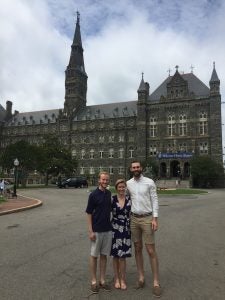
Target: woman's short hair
{"x": 120, "y": 181}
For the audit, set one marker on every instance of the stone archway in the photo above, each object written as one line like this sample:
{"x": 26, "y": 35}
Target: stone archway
{"x": 175, "y": 168}
{"x": 186, "y": 172}
{"x": 162, "y": 172}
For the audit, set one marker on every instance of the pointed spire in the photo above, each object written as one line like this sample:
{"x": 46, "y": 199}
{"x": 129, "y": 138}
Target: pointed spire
{"x": 214, "y": 77}
{"x": 214, "y": 82}
{"x": 77, "y": 35}
{"x": 142, "y": 86}
{"x": 76, "y": 57}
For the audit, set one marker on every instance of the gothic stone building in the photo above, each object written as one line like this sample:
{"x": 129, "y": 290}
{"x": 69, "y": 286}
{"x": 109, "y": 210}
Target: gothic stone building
{"x": 181, "y": 118}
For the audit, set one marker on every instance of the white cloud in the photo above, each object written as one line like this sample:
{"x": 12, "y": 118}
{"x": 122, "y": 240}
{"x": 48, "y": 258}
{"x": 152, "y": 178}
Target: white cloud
{"x": 120, "y": 38}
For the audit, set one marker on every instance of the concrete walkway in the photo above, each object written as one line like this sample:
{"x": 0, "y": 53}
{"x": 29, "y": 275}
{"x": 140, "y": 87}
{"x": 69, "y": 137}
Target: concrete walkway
{"x": 21, "y": 203}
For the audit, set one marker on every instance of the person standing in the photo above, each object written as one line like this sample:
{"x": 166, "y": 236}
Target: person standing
{"x": 144, "y": 223}
{"x": 100, "y": 231}
{"x": 2, "y": 186}
{"x": 121, "y": 241}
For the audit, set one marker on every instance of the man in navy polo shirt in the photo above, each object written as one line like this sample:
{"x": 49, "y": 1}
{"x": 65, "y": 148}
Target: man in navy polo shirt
{"x": 99, "y": 227}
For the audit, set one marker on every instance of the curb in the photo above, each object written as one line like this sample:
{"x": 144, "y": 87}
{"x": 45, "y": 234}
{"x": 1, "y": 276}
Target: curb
{"x": 19, "y": 209}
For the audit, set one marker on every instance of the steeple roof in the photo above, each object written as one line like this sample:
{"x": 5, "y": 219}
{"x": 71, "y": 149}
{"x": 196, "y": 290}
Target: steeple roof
{"x": 214, "y": 77}
{"x": 76, "y": 57}
{"x": 77, "y": 36}
{"x": 142, "y": 86}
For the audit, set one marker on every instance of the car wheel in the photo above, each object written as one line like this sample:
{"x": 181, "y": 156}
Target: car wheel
{"x": 66, "y": 186}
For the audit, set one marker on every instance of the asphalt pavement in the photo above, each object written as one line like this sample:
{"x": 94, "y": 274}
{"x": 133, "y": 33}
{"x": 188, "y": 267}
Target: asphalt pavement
{"x": 45, "y": 251}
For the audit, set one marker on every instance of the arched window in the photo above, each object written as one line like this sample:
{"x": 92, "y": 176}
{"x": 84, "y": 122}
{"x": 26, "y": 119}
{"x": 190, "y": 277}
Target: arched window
{"x": 111, "y": 153}
{"x": 92, "y": 151}
{"x": 82, "y": 154}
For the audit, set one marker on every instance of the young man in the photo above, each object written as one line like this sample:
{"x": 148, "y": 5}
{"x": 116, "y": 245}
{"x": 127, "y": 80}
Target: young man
{"x": 99, "y": 227}
{"x": 144, "y": 222}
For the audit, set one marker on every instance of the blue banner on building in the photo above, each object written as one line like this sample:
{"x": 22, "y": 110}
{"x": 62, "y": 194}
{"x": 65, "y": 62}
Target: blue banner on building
{"x": 182, "y": 155}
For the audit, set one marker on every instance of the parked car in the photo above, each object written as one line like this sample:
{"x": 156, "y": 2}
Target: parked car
{"x": 77, "y": 182}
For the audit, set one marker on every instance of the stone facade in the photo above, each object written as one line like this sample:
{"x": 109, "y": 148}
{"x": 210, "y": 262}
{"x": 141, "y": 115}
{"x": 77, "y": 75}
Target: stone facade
{"x": 181, "y": 118}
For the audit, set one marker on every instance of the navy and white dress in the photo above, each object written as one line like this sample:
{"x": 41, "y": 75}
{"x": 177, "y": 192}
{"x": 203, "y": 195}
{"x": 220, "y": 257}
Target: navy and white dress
{"x": 121, "y": 235}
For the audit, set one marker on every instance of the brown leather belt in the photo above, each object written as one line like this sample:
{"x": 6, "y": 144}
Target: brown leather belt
{"x": 140, "y": 216}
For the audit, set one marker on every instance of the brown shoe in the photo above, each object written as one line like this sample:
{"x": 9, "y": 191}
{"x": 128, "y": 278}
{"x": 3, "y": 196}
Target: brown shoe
{"x": 106, "y": 287}
{"x": 156, "y": 290}
{"x": 94, "y": 288}
{"x": 140, "y": 284}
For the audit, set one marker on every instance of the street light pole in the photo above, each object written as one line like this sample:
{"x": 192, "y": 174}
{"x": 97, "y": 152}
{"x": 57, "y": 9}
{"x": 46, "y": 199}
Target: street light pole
{"x": 16, "y": 164}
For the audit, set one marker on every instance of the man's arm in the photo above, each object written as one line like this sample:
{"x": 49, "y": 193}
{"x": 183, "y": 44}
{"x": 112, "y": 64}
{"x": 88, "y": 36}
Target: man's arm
{"x": 91, "y": 233}
{"x": 155, "y": 206}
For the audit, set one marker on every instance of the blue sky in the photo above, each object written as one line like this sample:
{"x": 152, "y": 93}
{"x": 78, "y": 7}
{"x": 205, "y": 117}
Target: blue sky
{"x": 121, "y": 39}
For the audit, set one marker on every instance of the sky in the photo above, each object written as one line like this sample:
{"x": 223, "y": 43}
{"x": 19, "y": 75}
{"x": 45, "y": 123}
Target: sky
{"x": 121, "y": 39}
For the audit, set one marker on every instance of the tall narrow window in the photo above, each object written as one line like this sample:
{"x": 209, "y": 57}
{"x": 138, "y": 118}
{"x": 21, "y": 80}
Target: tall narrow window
{"x": 111, "y": 153}
{"x": 121, "y": 153}
{"x": 82, "y": 170}
{"x": 131, "y": 152}
{"x": 171, "y": 125}
{"x": 92, "y": 154}
{"x": 182, "y": 125}
{"x": 203, "y": 148}
{"x": 153, "y": 127}
{"x": 101, "y": 153}
{"x": 111, "y": 170}
{"x": 82, "y": 154}
{"x": 152, "y": 150}
{"x": 121, "y": 170}
{"x": 203, "y": 123}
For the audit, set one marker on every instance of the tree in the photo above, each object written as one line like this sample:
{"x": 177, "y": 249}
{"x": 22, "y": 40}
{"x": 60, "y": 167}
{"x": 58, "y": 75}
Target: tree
{"x": 206, "y": 173}
{"x": 56, "y": 159}
{"x": 28, "y": 156}
{"x": 150, "y": 168}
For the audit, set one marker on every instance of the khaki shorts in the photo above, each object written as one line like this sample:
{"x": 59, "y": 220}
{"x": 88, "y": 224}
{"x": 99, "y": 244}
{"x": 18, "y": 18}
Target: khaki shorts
{"x": 141, "y": 229}
{"x": 102, "y": 244}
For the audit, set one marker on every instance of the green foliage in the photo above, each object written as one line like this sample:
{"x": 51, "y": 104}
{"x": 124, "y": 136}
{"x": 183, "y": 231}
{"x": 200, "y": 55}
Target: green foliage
{"x": 26, "y": 154}
{"x": 150, "y": 168}
{"x": 206, "y": 173}
{"x": 49, "y": 158}
{"x": 56, "y": 158}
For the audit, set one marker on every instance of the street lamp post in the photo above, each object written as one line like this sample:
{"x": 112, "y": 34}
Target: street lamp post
{"x": 16, "y": 164}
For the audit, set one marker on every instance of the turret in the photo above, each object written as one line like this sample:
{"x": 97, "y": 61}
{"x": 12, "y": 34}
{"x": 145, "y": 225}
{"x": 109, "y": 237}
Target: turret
{"x": 143, "y": 91}
{"x": 214, "y": 82}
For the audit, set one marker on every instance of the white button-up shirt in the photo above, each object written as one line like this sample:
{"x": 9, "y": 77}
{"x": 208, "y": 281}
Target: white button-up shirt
{"x": 143, "y": 196}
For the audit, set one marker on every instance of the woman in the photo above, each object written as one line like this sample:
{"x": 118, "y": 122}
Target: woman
{"x": 121, "y": 242}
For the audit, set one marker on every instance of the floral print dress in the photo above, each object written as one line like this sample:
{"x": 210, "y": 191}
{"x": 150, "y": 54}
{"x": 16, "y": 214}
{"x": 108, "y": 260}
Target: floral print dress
{"x": 121, "y": 238}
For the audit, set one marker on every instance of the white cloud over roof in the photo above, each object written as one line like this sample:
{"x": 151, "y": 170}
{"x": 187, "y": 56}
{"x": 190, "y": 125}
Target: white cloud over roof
{"x": 121, "y": 39}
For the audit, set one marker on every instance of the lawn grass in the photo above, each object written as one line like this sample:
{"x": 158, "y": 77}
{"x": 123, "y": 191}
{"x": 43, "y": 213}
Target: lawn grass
{"x": 2, "y": 199}
{"x": 172, "y": 191}
{"x": 181, "y": 192}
